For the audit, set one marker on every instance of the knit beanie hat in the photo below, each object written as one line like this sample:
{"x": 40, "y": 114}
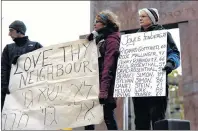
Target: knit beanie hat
{"x": 18, "y": 26}
{"x": 152, "y": 13}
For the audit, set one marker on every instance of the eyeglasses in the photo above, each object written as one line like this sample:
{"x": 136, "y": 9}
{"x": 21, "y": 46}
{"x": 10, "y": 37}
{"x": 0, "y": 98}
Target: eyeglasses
{"x": 99, "y": 21}
{"x": 143, "y": 16}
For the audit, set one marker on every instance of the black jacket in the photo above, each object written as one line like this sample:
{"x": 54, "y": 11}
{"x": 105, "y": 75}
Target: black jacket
{"x": 20, "y": 47}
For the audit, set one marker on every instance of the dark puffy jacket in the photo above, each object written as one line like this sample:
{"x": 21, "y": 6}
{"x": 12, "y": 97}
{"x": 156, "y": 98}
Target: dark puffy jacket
{"x": 20, "y": 47}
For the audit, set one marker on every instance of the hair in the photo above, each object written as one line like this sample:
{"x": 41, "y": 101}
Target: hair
{"x": 111, "y": 17}
{"x": 139, "y": 11}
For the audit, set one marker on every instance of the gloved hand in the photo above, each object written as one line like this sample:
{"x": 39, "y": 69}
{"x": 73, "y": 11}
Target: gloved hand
{"x": 14, "y": 61}
{"x": 5, "y": 90}
{"x": 168, "y": 67}
{"x": 103, "y": 101}
{"x": 91, "y": 36}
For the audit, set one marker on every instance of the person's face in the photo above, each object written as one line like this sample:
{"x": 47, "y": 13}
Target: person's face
{"x": 144, "y": 19}
{"x": 98, "y": 25}
{"x": 13, "y": 33}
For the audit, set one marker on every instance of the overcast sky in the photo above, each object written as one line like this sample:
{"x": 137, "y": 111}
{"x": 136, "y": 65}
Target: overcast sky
{"x": 48, "y": 22}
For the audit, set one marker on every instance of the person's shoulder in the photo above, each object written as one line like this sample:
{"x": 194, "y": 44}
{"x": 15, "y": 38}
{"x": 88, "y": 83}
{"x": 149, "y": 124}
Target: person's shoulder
{"x": 139, "y": 30}
{"x": 114, "y": 36}
{"x": 10, "y": 45}
{"x": 158, "y": 27}
{"x": 113, "y": 39}
{"x": 34, "y": 43}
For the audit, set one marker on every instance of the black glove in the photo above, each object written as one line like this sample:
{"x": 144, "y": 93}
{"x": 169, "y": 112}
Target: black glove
{"x": 14, "y": 61}
{"x": 102, "y": 101}
{"x": 168, "y": 67}
{"x": 91, "y": 36}
{"x": 5, "y": 90}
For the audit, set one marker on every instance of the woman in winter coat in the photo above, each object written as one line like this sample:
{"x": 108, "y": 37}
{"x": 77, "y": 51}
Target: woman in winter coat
{"x": 152, "y": 109}
{"x": 107, "y": 37}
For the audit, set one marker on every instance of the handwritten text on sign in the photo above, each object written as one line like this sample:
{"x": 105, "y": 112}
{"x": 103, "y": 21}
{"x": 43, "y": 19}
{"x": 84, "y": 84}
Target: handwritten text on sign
{"x": 54, "y": 88}
{"x": 139, "y": 72}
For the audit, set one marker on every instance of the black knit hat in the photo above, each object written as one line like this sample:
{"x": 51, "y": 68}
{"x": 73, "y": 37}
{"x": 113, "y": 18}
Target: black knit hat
{"x": 18, "y": 26}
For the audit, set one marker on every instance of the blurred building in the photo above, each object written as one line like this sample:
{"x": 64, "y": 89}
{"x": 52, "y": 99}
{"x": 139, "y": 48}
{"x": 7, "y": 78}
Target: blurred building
{"x": 173, "y": 14}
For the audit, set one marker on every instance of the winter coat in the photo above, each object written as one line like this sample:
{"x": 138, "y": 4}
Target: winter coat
{"x": 108, "y": 43}
{"x": 11, "y": 51}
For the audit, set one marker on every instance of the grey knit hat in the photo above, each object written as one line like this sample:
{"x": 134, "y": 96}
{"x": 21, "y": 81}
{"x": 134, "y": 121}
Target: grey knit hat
{"x": 19, "y": 26}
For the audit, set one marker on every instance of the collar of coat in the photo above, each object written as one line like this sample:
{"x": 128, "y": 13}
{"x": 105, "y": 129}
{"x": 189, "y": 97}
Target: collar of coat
{"x": 21, "y": 41}
{"x": 104, "y": 32}
{"x": 151, "y": 28}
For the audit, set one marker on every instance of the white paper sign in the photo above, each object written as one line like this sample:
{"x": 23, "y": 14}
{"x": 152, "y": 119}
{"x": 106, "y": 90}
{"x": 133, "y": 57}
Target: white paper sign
{"x": 139, "y": 72}
{"x": 54, "y": 88}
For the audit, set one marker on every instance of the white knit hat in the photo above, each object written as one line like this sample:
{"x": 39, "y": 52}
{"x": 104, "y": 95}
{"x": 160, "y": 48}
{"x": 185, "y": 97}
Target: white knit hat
{"x": 152, "y": 13}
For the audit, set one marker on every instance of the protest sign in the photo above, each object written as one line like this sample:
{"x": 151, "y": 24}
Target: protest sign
{"x": 139, "y": 71}
{"x": 53, "y": 88}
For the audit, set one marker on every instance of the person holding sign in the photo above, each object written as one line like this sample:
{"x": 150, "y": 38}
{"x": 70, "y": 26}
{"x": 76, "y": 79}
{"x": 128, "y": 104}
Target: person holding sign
{"x": 152, "y": 109}
{"x": 12, "y": 52}
{"x": 107, "y": 37}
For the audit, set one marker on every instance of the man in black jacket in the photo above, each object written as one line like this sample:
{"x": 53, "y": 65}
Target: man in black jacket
{"x": 11, "y": 53}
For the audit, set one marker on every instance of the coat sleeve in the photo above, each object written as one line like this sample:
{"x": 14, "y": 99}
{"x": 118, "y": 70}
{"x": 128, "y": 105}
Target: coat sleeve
{"x": 38, "y": 45}
{"x": 173, "y": 54}
{"x": 5, "y": 69}
{"x": 112, "y": 50}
